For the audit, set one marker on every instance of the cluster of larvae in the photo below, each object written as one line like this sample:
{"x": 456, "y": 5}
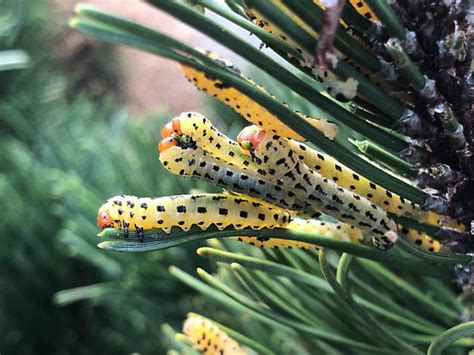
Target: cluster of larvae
{"x": 271, "y": 182}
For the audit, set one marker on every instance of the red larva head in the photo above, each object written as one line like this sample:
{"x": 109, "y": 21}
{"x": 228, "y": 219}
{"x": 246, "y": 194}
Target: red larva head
{"x": 166, "y": 144}
{"x": 167, "y": 130}
{"x": 250, "y": 137}
{"x": 104, "y": 220}
{"x": 172, "y": 127}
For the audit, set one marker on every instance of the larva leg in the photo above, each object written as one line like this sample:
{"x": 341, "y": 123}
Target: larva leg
{"x": 208, "y": 339}
{"x": 244, "y": 105}
{"x": 279, "y": 160}
{"x": 185, "y": 211}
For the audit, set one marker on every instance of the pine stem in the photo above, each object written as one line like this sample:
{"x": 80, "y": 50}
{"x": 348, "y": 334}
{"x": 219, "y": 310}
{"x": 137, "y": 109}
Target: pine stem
{"x": 386, "y": 15}
{"x": 408, "y": 69}
{"x": 382, "y": 156}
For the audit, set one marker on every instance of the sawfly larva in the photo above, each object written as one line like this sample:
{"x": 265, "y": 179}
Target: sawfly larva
{"x": 193, "y": 162}
{"x": 345, "y": 177}
{"x": 247, "y": 107}
{"x": 208, "y": 339}
{"x": 184, "y": 211}
{"x": 193, "y": 125}
{"x": 339, "y": 231}
{"x": 280, "y": 161}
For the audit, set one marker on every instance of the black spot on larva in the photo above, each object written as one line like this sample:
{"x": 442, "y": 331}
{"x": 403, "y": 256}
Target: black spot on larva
{"x": 418, "y": 242}
{"x": 120, "y": 211}
{"x": 143, "y": 217}
{"x": 202, "y": 210}
{"x": 160, "y": 221}
{"x": 215, "y": 168}
{"x": 218, "y": 198}
{"x": 372, "y": 186}
{"x": 132, "y": 205}
{"x": 181, "y": 209}
{"x": 243, "y": 214}
{"x": 202, "y": 164}
{"x": 180, "y": 223}
{"x": 244, "y": 177}
{"x": 223, "y": 211}
{"x": 338, "y": 168}
{"x": 261, "y": 216}
{"x": 275, "y": 217}
{"x": 389, "y": 194}
{"x": 144, "y": 205}
{"x": 132, "y": 214}
{"x": 321, "y": 157}
{"x": 160, "y": 208}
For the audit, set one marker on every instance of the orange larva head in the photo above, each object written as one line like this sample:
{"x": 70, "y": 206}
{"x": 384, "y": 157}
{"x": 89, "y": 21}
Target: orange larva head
{"x": 250, "y": 137}
{"x": 167, "y": 143}
{"x": 167, "y": 130}
{"x": 104, "y": 220}
{"x": 176, "y": 126}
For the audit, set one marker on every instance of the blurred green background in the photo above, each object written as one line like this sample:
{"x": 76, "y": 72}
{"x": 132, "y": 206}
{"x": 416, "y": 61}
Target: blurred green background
{"x": 67, "y": 143}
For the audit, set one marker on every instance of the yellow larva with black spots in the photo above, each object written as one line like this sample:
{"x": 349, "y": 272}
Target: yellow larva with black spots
{"x": 193, "y": 162}
{"x": 247, "y": 107}
{"x": 345, "y": 177}
{"x": 184, "y": 211}
{"x": 339, "y": 231}
{"x": 208, "y": 339}
{"x": 276, "y": 156}
{"x": 193, "y": 125}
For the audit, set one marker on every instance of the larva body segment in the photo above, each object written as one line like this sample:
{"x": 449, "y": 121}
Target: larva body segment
{"x": 197, "y": 127}
{"x": 364, "y": 9}
{"x": 248, "y": 108}
{"x": 208, "y": 339}
{"x": 421, "y": 239}
{"x": 345, "y": 177}
{"x": 339, "y": 231}
{"x": 197, "y": 163}
{"x": 185, "y": 211}
{"x": 280, "y": 161}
